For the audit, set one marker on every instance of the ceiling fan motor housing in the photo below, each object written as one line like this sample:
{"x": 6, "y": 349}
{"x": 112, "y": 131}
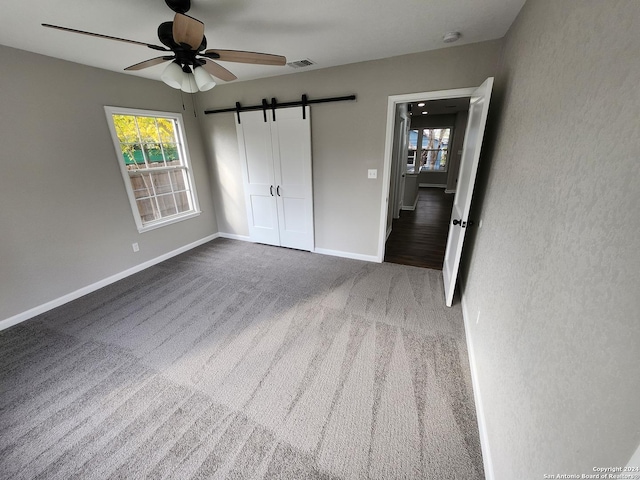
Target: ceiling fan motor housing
{"x": 179, "y": 6}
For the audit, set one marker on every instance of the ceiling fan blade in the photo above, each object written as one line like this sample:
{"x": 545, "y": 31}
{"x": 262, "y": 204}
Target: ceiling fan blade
{"x": 188, "y": 30}
{"x": 149, "y": 63}
{"x": 108, "y": 37}
{"x": 240, "y": 56}
{"x": 218, "y": 71}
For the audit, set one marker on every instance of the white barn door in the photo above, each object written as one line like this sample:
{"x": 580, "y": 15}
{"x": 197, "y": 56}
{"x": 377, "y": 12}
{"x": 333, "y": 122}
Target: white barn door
{"x": 277, "y": 177}
{"x": 254, "y": 140}
{"x": 478, "y": 110}
{"x": 291, "y": 138}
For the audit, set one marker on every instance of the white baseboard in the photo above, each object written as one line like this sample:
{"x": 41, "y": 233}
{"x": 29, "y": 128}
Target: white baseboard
{"x": 482, "y": 426}
{"x": 45, "y": 307}
{"x": 432, "y": 185}
{"x": 411, "y": 207}
{"x": 634, "y": 461}
{"x": 233, "y": 236}
{"x": 354, "y": 256}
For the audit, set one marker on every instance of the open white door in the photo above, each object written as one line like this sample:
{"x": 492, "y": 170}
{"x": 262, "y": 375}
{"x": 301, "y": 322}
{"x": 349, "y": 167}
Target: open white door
{"x": 403, "y": 148}
{"x": 478, "y": 110}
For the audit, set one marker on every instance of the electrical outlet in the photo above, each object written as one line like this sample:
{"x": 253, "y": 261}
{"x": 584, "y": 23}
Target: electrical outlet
{"x": 135, "y": 247}
{"x": 373, "y": 173}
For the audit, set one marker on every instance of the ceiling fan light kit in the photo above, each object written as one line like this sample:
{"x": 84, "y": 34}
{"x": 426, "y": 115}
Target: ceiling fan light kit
{"x": 172, "y": 75}
{"x": 204, "y": 81}
{"x": 192, "y": 67}
{"x": 183, "y": 78}
{"x": 188, "y": 83}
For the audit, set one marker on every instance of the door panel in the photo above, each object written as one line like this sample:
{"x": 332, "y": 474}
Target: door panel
{"x": 258, "y": 151}
{"x": 254, "y": 140}
{"x": 294, "y": 215}
{"x": 478, "y": 110}
{"x": 261, "y": 213}
{"x": 291, "y": 139}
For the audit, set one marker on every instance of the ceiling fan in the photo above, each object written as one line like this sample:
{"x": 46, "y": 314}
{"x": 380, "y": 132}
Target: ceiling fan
{"x": 192, "y": 65}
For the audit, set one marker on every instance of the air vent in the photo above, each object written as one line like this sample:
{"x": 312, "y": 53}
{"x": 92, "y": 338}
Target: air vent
{"x": 301, "y": 63}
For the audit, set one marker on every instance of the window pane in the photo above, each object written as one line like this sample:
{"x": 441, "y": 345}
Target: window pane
{"x": 125, "y": 126}
{"x": 413, "y": 139}
{"x": 171, "y": 155}
{"x": 147, "y": 129}
{"x": 413, "y": 147}
{"x": 161, "y": 182}
{"x": 167, "y": 205}
{"x": 153, "y": 154}
{"x": 141, "y": 185}
{"x": 434, "y": 149}
{"x": 132, "y": 156}
{"x": 148, "y": 210}
{"x": 167, "y": 130}
{"x": 182, "y": 202}
{"x": 178, "y": 179}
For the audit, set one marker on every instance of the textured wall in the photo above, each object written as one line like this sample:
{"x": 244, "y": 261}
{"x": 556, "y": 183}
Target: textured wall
{"x": 65, "y": 219}
{"x": 555, "y": 269}
{"x": 347, "y": 138}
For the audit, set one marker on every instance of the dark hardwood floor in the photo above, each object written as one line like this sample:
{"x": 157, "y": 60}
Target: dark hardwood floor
{"x": 419, "y": 237}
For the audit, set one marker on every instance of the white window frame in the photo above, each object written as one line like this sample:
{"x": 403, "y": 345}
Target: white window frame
{"x": 126, "y": 174}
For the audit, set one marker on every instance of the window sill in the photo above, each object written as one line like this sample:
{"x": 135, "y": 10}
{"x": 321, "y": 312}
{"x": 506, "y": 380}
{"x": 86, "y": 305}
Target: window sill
{"x": 167, "y": 221}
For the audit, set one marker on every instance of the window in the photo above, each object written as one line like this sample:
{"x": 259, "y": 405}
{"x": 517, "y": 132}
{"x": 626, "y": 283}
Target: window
{"x": 154, "y": 162}
{"x": 433, "y": 145}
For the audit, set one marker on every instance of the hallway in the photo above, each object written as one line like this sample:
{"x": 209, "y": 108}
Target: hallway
{"x": 419, "y": 237}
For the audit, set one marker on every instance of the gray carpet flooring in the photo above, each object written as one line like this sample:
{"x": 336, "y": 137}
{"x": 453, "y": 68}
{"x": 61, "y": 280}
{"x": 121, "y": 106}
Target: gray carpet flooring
{"x": 237, "y": 360}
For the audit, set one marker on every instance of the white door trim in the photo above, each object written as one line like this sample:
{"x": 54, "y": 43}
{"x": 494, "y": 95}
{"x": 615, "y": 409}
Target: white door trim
{"x": 388, "y": 147}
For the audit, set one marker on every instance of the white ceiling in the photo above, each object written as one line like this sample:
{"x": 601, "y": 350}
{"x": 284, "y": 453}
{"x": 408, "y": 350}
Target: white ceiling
{"x": 329, "y": 32}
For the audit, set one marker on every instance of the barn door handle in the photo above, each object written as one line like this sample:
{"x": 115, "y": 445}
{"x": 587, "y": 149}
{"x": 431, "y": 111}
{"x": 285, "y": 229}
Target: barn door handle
{"x": 278, "y": 190}
{"x": 271, "y": 190}
{"x": 459, "y": 222}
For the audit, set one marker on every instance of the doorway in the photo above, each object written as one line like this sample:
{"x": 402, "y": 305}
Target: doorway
{"x": 479, "y": 100}
{"x": 423, "y": 177}
{"x": 419, "y": 236}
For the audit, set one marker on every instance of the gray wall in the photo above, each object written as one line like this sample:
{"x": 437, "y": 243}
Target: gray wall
{"x": 347, "y": 138}
{"x": 555, "y": 269}
{"x": 65, "y": 217}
